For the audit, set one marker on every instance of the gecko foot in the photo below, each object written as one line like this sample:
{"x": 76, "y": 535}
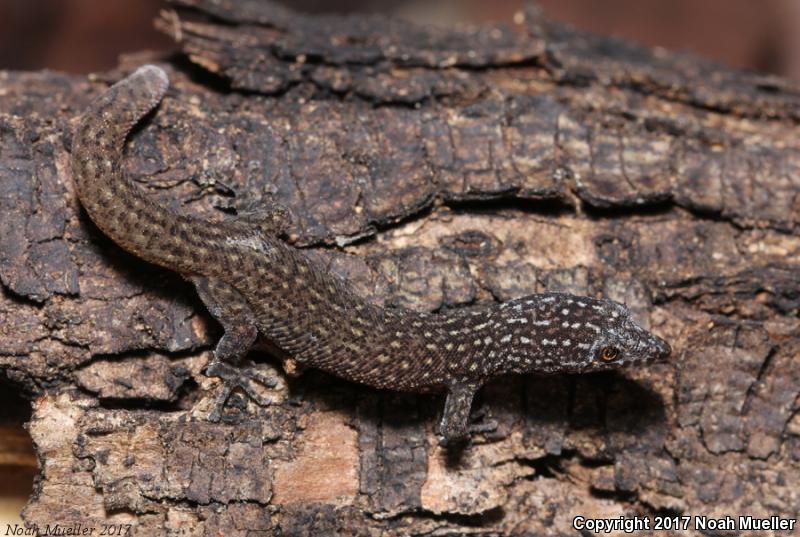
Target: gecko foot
{"x": 242, "y": 378}
{"x": 480, "y": 422}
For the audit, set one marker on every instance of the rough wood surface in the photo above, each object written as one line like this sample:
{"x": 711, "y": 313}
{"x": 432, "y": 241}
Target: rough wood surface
{"x": 434, "y": 168}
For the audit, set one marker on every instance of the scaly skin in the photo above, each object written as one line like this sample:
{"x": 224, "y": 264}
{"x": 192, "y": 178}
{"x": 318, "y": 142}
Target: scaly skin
{"x": 255, "y": 284}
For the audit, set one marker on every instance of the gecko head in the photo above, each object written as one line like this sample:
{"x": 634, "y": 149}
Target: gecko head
{"x": 582, "y": 334}
{"x": 613, "y": 339}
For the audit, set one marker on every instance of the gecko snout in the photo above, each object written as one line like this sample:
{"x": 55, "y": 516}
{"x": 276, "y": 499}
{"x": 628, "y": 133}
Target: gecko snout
{"x": 662, "y": 349}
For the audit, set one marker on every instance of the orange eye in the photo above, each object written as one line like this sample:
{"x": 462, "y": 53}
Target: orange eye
{"x": 609, "y": 354}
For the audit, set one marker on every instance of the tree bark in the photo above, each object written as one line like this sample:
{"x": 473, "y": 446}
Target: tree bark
{"x": 434, "y": 168}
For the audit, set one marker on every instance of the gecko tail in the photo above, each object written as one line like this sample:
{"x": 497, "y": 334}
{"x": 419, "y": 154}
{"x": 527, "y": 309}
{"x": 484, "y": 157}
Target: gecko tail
{"x": 154, "y": 73}
{"x": 114, "y": 202}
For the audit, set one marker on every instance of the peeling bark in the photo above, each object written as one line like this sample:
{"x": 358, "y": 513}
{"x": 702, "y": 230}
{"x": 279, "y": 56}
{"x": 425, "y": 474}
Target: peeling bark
{"x": 434, "y": 168}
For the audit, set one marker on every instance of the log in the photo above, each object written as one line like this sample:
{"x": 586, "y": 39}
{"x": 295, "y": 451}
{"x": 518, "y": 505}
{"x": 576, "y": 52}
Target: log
{"x": 433, "y": 168}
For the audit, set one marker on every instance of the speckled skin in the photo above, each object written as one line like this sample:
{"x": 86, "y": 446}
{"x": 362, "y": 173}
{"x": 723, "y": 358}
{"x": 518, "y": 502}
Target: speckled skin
{"x": 255, "y": 284}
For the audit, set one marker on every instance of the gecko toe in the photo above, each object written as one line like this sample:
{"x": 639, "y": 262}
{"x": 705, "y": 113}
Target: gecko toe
{"x": 481, "y": 421}
{"x": 484, "y": 426}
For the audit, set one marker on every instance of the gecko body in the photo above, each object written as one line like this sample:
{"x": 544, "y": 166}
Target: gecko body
{"x": 255, "y": 285}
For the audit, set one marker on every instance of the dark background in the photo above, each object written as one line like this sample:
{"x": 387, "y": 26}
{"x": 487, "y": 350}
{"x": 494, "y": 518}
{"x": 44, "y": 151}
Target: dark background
{"x": 81, "y": 36}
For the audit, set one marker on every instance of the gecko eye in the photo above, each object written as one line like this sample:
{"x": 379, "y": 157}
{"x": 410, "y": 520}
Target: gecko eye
{"x": 609, "y": 354}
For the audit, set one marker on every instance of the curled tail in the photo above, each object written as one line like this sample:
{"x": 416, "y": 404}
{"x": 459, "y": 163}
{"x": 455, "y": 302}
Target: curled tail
{"x": 113, "y": 202}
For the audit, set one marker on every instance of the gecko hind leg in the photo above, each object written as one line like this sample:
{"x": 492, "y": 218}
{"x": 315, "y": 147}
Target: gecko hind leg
{"x": 228, "y": 307}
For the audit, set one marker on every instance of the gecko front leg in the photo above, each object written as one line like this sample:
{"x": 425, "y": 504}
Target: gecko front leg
{"x": 228, "y": 307}
{"x": 455, "y": 426}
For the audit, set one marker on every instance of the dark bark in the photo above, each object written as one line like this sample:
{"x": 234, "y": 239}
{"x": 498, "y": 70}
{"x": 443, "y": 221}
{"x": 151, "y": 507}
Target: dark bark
{"x": 434, "y": 168}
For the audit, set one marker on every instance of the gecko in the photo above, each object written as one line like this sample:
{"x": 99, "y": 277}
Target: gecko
{"x": 257, "y": 286}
